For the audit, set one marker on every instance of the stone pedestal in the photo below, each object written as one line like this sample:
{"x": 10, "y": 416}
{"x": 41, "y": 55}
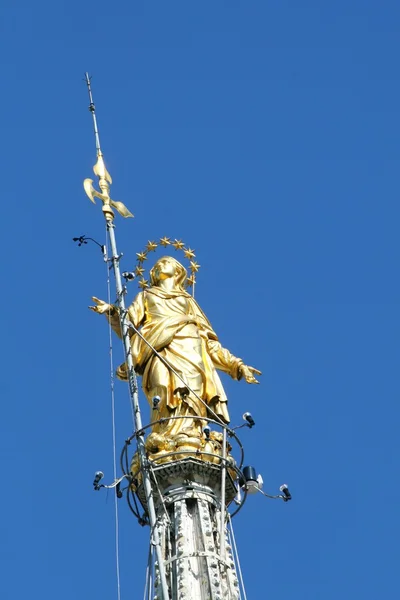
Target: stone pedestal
{"x": 187, "y": 496}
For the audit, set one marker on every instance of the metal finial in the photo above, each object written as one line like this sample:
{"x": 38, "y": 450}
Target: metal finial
{"x": 100, "y": 170}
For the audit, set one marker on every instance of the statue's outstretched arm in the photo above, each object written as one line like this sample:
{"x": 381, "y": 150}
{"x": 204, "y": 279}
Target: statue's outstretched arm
{"x": 225, "y": 361}
{"x": 136, "y": 312}
{"x": 247, "y": 373}
{"x": 221, "y": 357}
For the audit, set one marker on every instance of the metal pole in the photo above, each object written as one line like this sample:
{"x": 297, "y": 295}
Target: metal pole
{"x": 223, "y": 507}
{"x": 133, "y": 390}
{"x": 150, "y": 580}
{"x": 104, "y": 184}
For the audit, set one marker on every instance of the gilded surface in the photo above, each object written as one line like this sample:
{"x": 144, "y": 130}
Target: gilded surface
{"x": 172, "y": 322}
{"x": 178, "y": 245}
{"x": 104, "y": 195}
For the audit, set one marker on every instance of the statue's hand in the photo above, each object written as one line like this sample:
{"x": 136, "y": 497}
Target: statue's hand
{"x": 101, "y": 306}
{"x": 247, "y": 373}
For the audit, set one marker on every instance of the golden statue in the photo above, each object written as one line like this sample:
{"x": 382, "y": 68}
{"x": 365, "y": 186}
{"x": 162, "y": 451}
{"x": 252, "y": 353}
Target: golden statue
{"x": 174, "y": 325}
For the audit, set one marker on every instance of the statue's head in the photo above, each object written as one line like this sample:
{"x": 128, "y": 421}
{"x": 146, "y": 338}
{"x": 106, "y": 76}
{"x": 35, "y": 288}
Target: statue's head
{"x": 166, "y": 267}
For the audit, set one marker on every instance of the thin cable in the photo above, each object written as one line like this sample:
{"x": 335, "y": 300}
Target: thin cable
{"x": 235, "y": 550}
{"x": 113, "y": 432}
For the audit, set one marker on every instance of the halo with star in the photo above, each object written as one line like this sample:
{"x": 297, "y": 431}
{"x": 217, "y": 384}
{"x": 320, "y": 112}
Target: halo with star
{"x": 165, "y": 242}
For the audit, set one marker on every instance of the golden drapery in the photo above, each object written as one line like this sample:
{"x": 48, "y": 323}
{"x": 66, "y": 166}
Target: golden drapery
{"x": 173, "y": 323}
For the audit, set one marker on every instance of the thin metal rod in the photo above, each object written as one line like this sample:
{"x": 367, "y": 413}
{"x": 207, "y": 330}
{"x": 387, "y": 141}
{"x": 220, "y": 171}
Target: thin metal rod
{"x": 133, "y": 390}
{"x": 112, "y": 386}
{"x": 236, "y": 556}
{"x": 92, "y": 109}
{"x": 151, "y": 574}
{"x": 169, "y": 546}
{"x": 223, "y": 493}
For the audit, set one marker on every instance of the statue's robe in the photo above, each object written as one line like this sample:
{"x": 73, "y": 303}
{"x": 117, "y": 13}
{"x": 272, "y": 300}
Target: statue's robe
{"x": 173, "y": 323}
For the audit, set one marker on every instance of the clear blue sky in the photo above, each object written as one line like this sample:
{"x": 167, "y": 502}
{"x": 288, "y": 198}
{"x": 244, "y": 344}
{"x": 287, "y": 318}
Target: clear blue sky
{"x": 265, "y": 135}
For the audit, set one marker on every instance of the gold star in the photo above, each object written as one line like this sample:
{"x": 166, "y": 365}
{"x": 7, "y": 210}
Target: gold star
{"x": 139, "y": 271}
{"x": 189, "y": 253}
{"x": 178, "y": 244}
{"x": 194, "y": 266}
{"x": 143, "y": 283}
{"x": 190, "y": 280}
{"x": 165, "y": 241}
{"x": 151, "y": 246}
{"x": 141, "y": 256}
